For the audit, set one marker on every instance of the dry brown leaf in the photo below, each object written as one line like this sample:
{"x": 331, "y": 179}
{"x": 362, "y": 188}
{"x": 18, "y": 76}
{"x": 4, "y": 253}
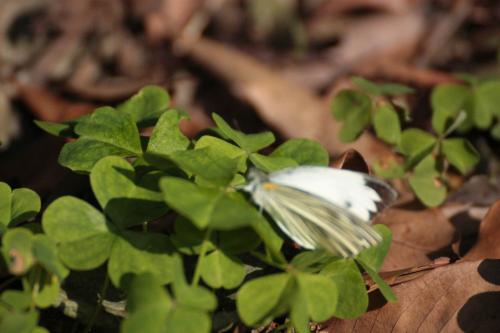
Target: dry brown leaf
{"x": 461, "y": 297}
{"x": 45, "y": 105}
{"x": 169, "y": 19}
{"x": 334, "y": 7}
{"x": 488, "y": 245}
{"x": 351, "y": 160}
{"x": 380, "y": 39}
{"x": 290, "y": 109}
{"x": 416, "y": 235}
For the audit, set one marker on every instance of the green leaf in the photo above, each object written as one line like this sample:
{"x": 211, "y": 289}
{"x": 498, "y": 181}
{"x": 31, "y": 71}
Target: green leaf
{"x": 349, "y": 101}
{"x": 194, "y": 297}
{"x": 416, "y": 144}
{"x": 17, "y": 206}
{"x": 271, "y": 163}
{"x": 5, "y": 205}
{"x": 190, "y": 200}
{"x": 461, "y": 154}
{"x": 127, "y": 199}
{"x": 384, "y": 288}
{"x": 486, "y": 103}
{"x": 48, "y": 291}
{"x": 311, "y": 261}
{"x": 81, "y": 155}
{"x": 354, "y": 124}
{"x": 447, "y": 101}
{"x": 381, "y": 88}
{"x": 225, "y": 148}
{"x": 19, "y": 322}
{"x": 148, "y": 305}
{"x": 387, "y": 125}
{"x": 219, "y": 270}
{"x": 257, "y": 298}
{"x": 106, "y": 132}
{"x": 167, "y": 137}
{"x": 319, "y": 294}
{"x": 45, "y": 252}
{"x": 237, "y": 241}
{"x": 146, "y": 106}
{"x": 208, "y": 163}
{"x": 374, "y": 256}
{"x": 81, "y": 230}
{"x": 208, "y": 207}
{"x": 16, "y": 249}
{"x": 389, "y": 170}
{"x": 353, "y": 108}
{"x": 19, "y": 300}
{"x": 352, "y": 295}
{"x": 64, "y": 129}
{"x": 182, "y": 320}
{"x": 303, "y": 151}
{"x": 188, "y": 238}
{"x": 135, "y": 252}
{"x": 426, "y": 184}
{"x": 25, "y": 205}
{"x": 249, "y": 142}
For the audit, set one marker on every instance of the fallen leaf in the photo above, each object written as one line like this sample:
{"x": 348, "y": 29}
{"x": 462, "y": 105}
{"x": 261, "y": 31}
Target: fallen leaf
{"x": 46, "y": 105}
{"x": 334, "y": 7}
{"x": 351, "y": 160}
{"x": 487, "y": 245}
{"x": 417, "y": 236}
{"x": 478, "y": 190}
{"x": 290, "y": 109}
{"x": 462, "y": 297}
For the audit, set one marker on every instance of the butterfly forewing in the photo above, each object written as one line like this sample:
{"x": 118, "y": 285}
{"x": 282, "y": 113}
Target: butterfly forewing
{"x": 356, "y": 192}
{"x": 314, "y": 222}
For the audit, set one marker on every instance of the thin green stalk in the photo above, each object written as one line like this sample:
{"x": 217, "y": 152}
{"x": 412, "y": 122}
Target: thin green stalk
{"x": 98, "y": 308}
{"x": 203, "y": 251}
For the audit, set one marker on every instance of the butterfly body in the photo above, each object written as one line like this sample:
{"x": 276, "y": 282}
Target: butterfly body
{"x": 320, "y": 207}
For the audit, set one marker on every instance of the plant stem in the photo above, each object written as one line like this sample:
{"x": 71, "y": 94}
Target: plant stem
{"x": 203, "y": 251}
{"x": 98, "y": 308}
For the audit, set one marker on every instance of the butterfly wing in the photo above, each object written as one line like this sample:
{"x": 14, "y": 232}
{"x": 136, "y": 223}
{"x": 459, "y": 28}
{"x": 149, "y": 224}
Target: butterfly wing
{"x": 356, "y": 192}
{"x": 314, "y": 222}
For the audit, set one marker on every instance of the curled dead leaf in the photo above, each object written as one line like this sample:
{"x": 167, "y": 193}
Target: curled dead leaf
{"x": 487, "y": 245}
{"x": 351, "y": 160}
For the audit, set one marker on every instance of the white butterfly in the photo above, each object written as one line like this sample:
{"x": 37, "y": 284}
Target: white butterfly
{"x": 320, "y": 207}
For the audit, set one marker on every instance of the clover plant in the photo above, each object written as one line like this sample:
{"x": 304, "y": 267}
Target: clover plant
{"x": 216, "y": 256}
{"x": 424, "y": 157}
